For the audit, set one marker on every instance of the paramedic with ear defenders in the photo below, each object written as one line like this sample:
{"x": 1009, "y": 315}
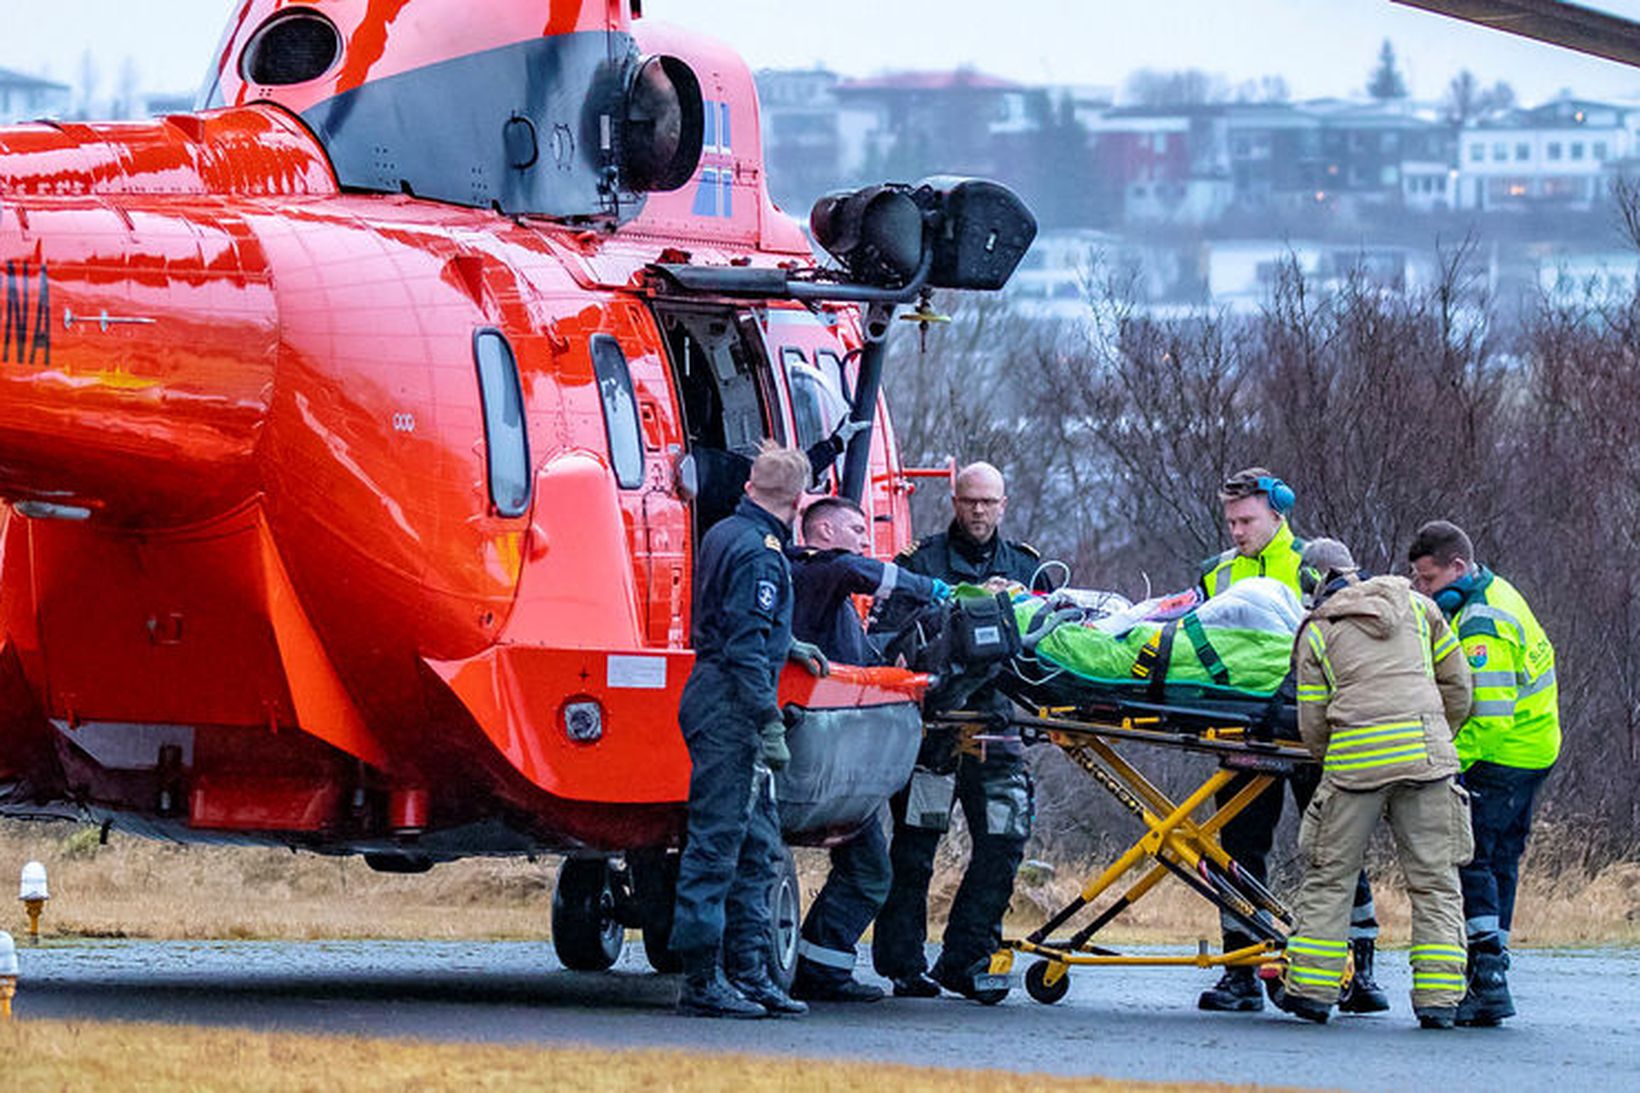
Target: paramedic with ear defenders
{"x": 993, "y": 788}
{"x": 1256, "y": 506}
{"x": 1507, "y": 747}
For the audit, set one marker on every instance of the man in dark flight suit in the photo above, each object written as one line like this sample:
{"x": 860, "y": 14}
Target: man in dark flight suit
{"x": 994, "y": 788}
{"x": 730, "y": 717}
{"x": 827, "y": 572}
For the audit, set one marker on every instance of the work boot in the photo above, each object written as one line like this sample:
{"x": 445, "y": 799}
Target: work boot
{"x": 1298, "y": 1005}
{"x": 812, "y": 989}
{"x": 759, "y": 988}
{"x": 965, "y": 981}
{"x": 1487, "y": 1001}
{"x": 1435, "y": 1016}
{"x": 1236, "y": 992}
{"x": 915, "y": 985}
{"x": 706, "y": 993}
{"x": 1363, "y": 995}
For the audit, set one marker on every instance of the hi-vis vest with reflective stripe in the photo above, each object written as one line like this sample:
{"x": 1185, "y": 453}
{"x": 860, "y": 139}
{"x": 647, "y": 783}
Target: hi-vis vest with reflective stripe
{"x": 1515, "y": 721}
{"x": 1279, "y": 559}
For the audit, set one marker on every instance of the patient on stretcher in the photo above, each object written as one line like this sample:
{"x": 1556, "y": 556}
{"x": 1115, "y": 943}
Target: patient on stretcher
{"x": 1236, "y": 646}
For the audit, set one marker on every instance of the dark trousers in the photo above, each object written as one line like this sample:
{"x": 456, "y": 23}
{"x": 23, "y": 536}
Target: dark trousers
{"x": 995, "y": 795}
{"x": 1501, "y": 803}
{"x": 730, "y": 856}
{"x": 1249, "y": 837}
{"x": 853, "y": 894}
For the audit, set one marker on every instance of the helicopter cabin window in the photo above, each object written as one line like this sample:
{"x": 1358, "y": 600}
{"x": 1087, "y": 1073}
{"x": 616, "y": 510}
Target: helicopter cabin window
{"x": 620, "y": 411}
{"x": 831, "y": 366}
{"x": 817, "y": 406}
{"x": 505, "y": 439}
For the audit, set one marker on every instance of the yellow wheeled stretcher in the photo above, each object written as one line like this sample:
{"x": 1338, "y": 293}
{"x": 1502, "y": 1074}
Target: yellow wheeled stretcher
{"x": 1181, "y": 837}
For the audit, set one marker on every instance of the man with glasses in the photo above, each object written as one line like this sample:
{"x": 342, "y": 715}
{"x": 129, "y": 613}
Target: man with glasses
{"x": 991, "y": 783}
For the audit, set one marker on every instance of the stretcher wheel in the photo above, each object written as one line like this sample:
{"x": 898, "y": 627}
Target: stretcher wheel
{"x": 1037, "y": 986}
{"x": 991, "y": 997}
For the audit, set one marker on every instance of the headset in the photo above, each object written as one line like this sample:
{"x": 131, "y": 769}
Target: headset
{"x": 1281, "y": 495}
{"x": 1452, "y": 598}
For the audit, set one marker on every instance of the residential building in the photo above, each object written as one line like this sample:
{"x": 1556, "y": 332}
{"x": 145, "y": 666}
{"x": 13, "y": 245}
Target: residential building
{"x": 1554, "y": 156}
{"x": 24, "y": 98}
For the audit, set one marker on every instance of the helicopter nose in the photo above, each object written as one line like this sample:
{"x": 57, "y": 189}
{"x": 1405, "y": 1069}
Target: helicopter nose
{"x": 133, "y": 383}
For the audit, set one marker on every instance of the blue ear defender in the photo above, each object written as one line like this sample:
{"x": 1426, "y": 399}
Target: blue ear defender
{"x": 1281, "y": 495}
{"x": 1451, "y": 598}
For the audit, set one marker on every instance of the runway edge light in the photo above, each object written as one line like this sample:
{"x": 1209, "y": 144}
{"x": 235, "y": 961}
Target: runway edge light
{"x": 8, "y": 974}
{"x": 33, "y": 894}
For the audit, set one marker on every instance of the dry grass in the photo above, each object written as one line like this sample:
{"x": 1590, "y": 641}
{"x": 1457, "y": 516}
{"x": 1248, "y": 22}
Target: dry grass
{"x": 136, "y": 888}
{"x": 61, "y": 1056}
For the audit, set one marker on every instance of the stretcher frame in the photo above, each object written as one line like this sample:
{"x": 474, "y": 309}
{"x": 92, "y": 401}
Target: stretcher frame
{"x": 1174, "y": 842}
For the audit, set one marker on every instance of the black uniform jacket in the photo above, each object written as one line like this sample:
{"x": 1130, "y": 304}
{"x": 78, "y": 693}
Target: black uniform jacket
{"x": 823, "y": 613}
{"x": 742, "y": 628}
{"x": 954, "y": 558}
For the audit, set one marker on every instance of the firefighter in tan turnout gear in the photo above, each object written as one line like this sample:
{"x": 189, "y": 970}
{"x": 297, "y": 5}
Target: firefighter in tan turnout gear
{"x": 1381, "y": 687}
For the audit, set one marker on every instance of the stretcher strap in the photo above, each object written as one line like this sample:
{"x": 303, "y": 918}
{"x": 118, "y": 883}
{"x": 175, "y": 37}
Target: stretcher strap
{"x": 1205, "y": 651}
{"x": 1153, "y": 658}
{"x": 1152, "y": 662}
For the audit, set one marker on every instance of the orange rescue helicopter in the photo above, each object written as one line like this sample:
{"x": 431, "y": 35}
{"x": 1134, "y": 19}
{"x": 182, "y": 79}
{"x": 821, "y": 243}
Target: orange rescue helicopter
{"x": 349, "y": 437}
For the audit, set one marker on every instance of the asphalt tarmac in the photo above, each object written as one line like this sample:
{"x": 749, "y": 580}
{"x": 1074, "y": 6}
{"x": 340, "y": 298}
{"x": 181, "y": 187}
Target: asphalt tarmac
{"x": 1580, "y": 1014}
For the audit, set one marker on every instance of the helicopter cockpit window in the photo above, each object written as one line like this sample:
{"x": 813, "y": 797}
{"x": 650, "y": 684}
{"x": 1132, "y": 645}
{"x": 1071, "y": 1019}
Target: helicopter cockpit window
{"x": 290, "y": 49}
{"x": 817, "y": 407}
{"x": 620, "y": 411}
{"x": 505, "y": 438}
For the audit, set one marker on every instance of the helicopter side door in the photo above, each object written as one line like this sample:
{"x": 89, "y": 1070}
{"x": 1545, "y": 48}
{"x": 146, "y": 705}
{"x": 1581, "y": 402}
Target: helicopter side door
{"x": 730, "y": 403}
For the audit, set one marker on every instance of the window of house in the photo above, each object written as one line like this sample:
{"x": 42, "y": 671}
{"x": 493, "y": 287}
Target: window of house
{"x": 1477, "y": 153}
{"x": 1599, "y": 150}
{"x": 1577, "y": 149}
{"x": 621, "y": 424}
{"x": 1500, "y": 152}
{"x": 1554, "y": 149}
{"x": 506, "y": 442}
{"x": 1523, "y": 152}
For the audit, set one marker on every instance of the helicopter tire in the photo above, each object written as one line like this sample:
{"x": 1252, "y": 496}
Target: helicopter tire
{"x": 586, "y": 934}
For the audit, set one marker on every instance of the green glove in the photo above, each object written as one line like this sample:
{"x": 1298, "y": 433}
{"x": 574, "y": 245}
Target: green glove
{"x": 810, "y": 657}
{"x": 775, "y": 753}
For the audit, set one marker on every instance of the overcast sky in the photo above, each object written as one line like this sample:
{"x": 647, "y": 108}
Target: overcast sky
{"x": 1321, "y": 47}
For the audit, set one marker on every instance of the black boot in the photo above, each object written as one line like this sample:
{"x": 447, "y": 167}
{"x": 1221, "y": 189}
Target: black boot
{"x": 915, "y": 985}
{"x": 1363, "y": 995}
{"x": 1435, "y": 1016}
{"x": 1237, "y": 991}
{"x": 706, "y": 993}
{"x": 759, "y": 988}
{"x": 1487, "y": 1001}
{"x": 1298, "y": 1005}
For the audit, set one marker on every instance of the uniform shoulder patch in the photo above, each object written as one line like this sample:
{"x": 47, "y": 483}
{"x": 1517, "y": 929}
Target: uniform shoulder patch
{"x": 766, "y": 592}
{"x": 1477, "y": 655}
{"x": 771, "y": 542}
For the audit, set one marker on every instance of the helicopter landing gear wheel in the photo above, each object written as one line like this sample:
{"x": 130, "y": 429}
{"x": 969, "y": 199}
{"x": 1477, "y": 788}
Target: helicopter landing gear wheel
{"x": 785, "y": 922}
{"x": 655, "y": 891}
{"x": 586, "y": 934}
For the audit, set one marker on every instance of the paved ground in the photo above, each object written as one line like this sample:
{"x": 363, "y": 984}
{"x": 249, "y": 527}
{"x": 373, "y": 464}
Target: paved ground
{"x": 1581, "y": 1026}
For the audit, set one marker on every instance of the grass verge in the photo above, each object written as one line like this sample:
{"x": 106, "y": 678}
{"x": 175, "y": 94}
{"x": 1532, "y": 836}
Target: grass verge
{"x": 58, "y": 1055}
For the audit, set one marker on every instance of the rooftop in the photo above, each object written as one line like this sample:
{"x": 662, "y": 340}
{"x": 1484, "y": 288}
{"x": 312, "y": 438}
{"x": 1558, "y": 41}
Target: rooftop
{"x": 8, "y": 78}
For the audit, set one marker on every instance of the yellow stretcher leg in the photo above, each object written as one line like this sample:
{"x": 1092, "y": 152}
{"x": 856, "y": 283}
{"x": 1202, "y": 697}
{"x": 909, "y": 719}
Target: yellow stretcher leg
{"x": 1173, "y": 842}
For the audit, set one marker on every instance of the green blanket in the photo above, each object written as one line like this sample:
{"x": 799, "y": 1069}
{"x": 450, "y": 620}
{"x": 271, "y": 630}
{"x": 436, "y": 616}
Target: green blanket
{"x": 1251, "y": 662}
